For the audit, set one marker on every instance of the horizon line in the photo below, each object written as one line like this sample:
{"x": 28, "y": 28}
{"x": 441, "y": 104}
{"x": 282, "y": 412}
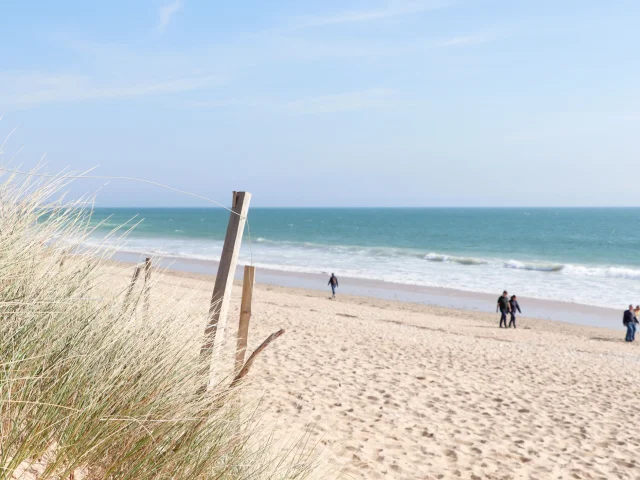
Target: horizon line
{"x": 387, "y": 207}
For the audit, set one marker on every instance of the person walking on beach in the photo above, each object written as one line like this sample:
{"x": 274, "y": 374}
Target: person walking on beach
{"x": 504, "y": 307}
{"x": 513, "y": 306}
{"x": 629, "y": 320}
{"x": 333, "y": 281}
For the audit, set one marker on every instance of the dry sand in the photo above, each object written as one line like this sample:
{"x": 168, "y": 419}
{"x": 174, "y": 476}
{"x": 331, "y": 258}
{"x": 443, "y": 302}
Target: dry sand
{"x": 394, "y": 390}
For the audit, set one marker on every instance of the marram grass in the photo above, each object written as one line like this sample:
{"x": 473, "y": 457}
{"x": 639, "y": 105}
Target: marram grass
{"x": 89, "y": 387}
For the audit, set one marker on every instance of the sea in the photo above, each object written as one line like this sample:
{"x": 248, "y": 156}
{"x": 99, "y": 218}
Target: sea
{"x": 588, "y": 256}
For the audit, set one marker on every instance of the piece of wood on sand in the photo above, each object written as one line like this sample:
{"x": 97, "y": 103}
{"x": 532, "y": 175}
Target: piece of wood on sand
{"x": 245, "y": 369}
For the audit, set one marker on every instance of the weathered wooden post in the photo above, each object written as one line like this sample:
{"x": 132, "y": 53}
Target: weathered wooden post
{"x": 62, "y": 258}
{"x": 248, "y": 280}
{"x": 136, "y": 273}
{"x": 224, "y": 278}
{"x": 147, "y": 287}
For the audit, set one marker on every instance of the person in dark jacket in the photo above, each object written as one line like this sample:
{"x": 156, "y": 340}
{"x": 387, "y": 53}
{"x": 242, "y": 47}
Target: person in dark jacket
{"x": 629, "y": 320}
{"x": 504, "y": 307}
{"x": 513, "y": 305}
{"x": 333, "y": 281}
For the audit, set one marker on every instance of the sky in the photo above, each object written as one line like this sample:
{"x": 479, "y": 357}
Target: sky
{"x": 328, "y": 103}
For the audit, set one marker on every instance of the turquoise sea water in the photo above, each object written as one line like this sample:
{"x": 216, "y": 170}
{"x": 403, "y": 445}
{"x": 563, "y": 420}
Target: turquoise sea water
{"x": 586, "y": 255}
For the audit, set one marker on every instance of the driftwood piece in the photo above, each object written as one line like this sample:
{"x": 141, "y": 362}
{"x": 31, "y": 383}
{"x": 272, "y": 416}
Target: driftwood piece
{"x": 245, "y": 369}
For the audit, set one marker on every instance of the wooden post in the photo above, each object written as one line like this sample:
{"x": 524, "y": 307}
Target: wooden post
{"x": 224, "y": 278}
{"x": 248, "y": 281}
{"x": 147, "y": 279}
{"x": 136, "y": 273}
{"x": 147, "y": 269}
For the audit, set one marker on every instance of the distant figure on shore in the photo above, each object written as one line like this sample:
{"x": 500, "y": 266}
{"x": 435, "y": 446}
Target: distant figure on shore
{"x": 629, "y": 320}
{"x": 504, "y": 307}
{"x": 513, "y": 306}
{"x": 333, "y": 281}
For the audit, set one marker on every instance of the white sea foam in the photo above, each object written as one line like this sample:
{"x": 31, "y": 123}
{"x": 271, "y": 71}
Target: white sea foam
{"x": 436, "y": 257}
{"x": 587, "y": 284}
{"x": 538, "y": 267}
{"x": 607, "y": 272}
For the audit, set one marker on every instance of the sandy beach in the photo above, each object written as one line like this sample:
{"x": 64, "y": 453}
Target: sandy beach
{"x": 433, "y": 154}
{"x": 384, "y": 389}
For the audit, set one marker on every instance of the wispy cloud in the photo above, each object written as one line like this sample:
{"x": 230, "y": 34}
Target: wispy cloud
{"x": 463, "y": 41}
{"x": 249, "y": 102}
{"x": 166, "y": 12}
{"x": 311, "y": 105}
{"x": 398, "y": 9}
{"x": 33, "y": 89}
{"x": 341, "y": 102}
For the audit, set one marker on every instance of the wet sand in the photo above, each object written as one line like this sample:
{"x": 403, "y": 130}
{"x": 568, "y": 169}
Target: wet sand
{"x": 443, "y": 297}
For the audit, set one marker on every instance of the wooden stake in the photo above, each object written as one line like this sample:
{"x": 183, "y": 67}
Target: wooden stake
{"x": 248, "y": 281}
{"x": 147, "y": 288}
{"x": 224, "y": 278}
{"x": 136, "y": 273}
{"x": 147, "y": 269}
{"x": 62, "y": 258}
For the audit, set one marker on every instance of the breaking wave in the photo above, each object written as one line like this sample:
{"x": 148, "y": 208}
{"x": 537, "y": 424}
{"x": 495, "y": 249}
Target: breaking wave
{"x": 436, "y": 257}
{"x": 536, "y": 267}
{"x": 608, "y": 272}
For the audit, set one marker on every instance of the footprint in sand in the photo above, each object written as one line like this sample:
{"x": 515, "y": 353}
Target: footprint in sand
{"x": 452, "y": 455}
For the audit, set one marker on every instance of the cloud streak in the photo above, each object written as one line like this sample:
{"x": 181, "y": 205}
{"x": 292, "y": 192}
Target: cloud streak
{"x": 33, "y": 89}
{"x": 463, "y": 41}
{"x": 312, "y": 105}
{"x": 166, "y": 13}
{"x": 400, "y": 9}
{"x": 342, "y": 102}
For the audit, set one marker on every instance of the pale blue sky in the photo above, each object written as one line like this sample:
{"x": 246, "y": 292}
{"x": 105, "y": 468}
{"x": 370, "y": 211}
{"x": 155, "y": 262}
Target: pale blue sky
{"x": 331, "y": 103}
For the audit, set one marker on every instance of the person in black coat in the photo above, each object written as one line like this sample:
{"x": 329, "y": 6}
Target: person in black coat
{"x": 333, "y": 281}
{"x": 513, "y": 304}
{"x": 503, "y": 306}
{"x": 629, "y": 320}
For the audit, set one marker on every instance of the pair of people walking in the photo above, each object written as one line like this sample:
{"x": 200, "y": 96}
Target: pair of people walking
{"x": 630, "y": 320}
{"x": 506, "y": 306}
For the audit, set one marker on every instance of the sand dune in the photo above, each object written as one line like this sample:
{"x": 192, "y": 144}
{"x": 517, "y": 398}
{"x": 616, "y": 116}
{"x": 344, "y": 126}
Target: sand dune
{"x": 402, "y": 391}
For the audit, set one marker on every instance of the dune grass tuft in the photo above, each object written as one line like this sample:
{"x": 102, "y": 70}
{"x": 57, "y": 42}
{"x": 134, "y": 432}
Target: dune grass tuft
{"x": 89, "y": 387}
